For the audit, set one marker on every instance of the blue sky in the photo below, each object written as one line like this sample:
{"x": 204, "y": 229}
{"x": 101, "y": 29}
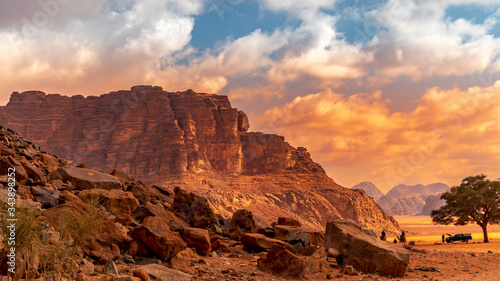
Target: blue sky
{"x": 344, "y": 67}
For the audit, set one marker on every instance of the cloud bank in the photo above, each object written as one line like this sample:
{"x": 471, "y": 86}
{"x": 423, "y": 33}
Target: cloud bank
{"x": 451, "y": 134}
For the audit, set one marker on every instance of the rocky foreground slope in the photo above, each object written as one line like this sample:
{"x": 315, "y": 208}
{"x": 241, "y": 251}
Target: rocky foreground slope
{"x": 195, "y": 141}
{"x": 75, "y": 223}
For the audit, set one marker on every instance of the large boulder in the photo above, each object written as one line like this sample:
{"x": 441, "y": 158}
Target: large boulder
{"x": 82, "y": 178}
{"x": 150, "y": 209}
{"x": 120, "y": 203}
{"x": 288, "y": 221}
{"x": 163, "y": 273}
{"x": 197, "y": 238}
{"x": 256, "y": 242}
{"x": 365, "y": 252}
{"x": 165, "y": 244}
{"x": 193, "y": 209}
{"x": 45, "y": 194}
{"x": 102, "y": 238}
{"x": 242, "y": 222}
{"x": 298, "y": 235}
{"x": 182, "y": 261}
{"x": 281, "y": 262}
{"x": 317, "y": 262}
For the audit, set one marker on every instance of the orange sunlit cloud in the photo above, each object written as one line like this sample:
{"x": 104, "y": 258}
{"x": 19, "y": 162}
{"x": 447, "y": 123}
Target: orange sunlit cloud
{"x": 450, "y": 135}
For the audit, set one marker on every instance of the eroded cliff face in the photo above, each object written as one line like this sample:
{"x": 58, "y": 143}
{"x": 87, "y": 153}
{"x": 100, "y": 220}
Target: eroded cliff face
{"x": 194, "y": 140}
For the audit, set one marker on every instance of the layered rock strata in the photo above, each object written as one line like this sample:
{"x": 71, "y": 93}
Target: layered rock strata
{"x": 193, "y": 140}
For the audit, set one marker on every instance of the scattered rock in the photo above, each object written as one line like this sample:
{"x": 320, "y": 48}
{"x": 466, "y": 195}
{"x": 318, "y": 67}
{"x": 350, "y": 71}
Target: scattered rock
{"x": 197, "y": 238}
{"x": 221, "y": 246}
{"x": 47, "y": 195}
{"x": 332, "y": 253}
{"x": 164, "y": 244}
{"x": 349, "y": 270}
{"x": 182, "y": 261}
{"x": 281, "y": 262}
{"x": 317, "y": 262}
{"x": 163, "y": 273}
{"x": 193, "y": 209}
{"x": 141, "y": 274}
{"x": 427, "y": 268}
{"x": 150, "y": 209}
{"x": 289, "y": 221}
{"x": 255, "y": 242}
{"x": 110, "y": 268}
{"x": 242, "y": 222}
{"x": 363, "y": 251}
{"x": 83, "y": 179}
{"x": 120, "y": 203}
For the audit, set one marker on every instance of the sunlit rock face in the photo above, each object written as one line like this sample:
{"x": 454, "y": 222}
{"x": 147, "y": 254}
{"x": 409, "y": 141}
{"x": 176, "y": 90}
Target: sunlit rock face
{"x": 193, "y": 140}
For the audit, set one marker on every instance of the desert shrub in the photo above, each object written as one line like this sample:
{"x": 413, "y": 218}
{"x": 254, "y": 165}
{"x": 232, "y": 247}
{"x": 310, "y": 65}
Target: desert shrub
{"x": 28, "y": 233}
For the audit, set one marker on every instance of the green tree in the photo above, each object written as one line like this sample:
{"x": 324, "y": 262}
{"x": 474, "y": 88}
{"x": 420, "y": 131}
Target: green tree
{"x": 475, "y": 200}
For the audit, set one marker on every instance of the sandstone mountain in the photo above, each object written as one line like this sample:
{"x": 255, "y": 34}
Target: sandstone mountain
{"x": 404, "y": 200}
{"x": 195, "y": 141}
{"x": 407, "y": 205}
{"x": 432, "y": 202}
{"x": 402, "y": 190}
{"x": 370, "y": 189}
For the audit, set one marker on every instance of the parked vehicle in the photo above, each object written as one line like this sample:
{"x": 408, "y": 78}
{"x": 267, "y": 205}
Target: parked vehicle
{"x": 459, "y": 237}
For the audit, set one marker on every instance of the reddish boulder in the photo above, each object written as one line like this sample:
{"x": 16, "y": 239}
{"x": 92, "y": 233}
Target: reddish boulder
{"x": 317, "y": 262}
{"x": 137, "y": 248}
{"x": 364, "y": 251}
{"x": 82, "y": 179}
{"x": 140, "y": 192}
{"x": 163, "y": 273}
{"x": 288, "y": 221}
{"x": 104, "y": 239}
{"x": 242, "y": 222}
{"x": 33, "y": 172}
{"x": 47, "y": 195}
{"x": 7, "y": 162}
{"x": 281, "y": 262}
{"x": 141, "y": 274}
{"x": 182, "y": 261}
{"x": 116, "y": 201}
{"x": 150, "y": 209}
{"x": 256, "y": 242}
{"x": 193, "y": 209}
{"x": 197, "y": 238}
{"x": 295, "y": 234}
{"x": 164, "y": 244}
{"x": 156, "y": 222}
{"x": 220, "y": 246}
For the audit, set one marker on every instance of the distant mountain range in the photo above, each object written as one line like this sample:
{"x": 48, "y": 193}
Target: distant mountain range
{"x": 404, "y": 199}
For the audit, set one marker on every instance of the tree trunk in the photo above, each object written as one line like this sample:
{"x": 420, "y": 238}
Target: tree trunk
{"x": 485, "y": 233}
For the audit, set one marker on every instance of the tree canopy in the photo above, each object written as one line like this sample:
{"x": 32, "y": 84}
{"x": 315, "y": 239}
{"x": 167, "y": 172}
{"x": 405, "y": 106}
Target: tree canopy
{"x": 475, "y": 200}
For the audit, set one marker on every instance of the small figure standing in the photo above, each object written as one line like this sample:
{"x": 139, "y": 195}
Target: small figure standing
{"x": 383, "y": 237}
{"x": 395, "y": 241}
{"x": 442, "y": 237}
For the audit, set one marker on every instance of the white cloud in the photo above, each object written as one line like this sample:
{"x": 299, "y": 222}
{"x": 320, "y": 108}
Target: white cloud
{"x": 418, "y": 41}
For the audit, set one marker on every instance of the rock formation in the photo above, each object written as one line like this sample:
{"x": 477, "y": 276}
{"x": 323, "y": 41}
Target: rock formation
{"x": 410, "y": 200}
{"x": 370, "y": 189}
{"x": 365, "y": 252}
{"x": 432, "y": 202}
{"x": 195, "y": 141}
{"x": 407, "y": 205}
{"x": 402, "y": 190}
